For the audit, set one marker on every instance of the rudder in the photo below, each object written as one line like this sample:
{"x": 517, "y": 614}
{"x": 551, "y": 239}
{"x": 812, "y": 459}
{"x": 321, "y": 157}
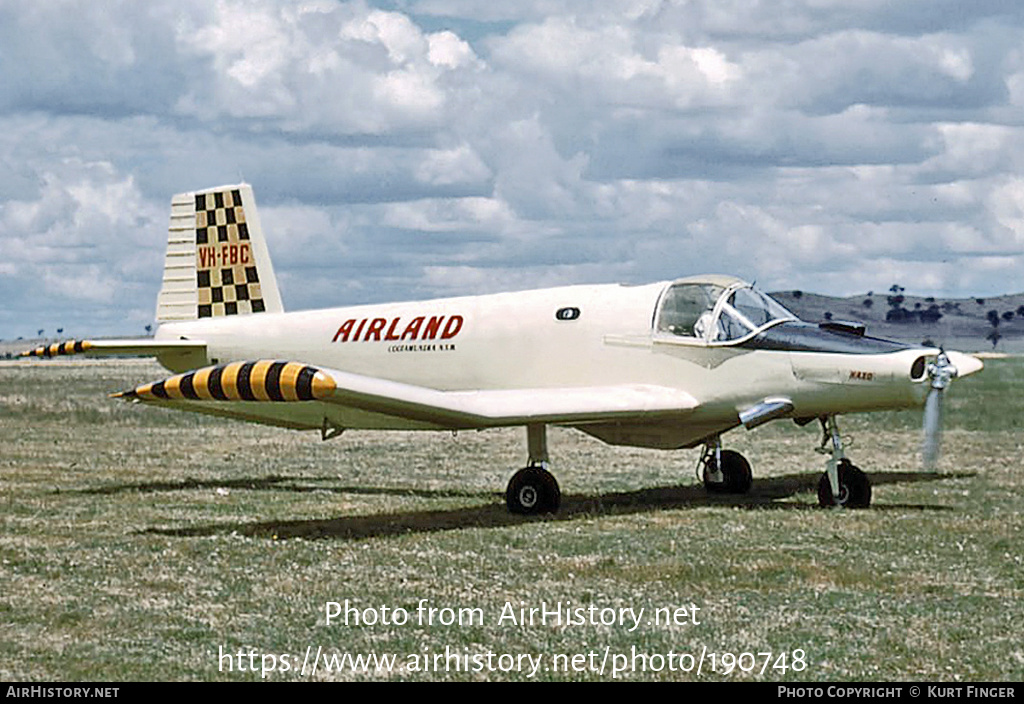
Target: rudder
{"x": 217, "y": 261}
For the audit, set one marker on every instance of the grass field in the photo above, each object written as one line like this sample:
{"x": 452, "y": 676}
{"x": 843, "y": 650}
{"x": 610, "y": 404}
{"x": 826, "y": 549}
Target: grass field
{"x": 139, "y": 544}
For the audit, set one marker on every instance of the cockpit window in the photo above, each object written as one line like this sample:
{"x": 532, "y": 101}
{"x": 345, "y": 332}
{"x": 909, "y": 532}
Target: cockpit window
{"x": 756, "y": 308}
{"x": 715, "y": 314}
{"x": 684, "y": 305}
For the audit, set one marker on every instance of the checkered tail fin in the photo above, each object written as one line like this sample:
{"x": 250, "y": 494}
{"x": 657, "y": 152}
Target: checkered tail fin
{"x": 217, "y": 260}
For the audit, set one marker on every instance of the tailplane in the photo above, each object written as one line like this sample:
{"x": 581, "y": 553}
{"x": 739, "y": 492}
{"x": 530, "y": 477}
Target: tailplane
{"x": 217, "y": 260}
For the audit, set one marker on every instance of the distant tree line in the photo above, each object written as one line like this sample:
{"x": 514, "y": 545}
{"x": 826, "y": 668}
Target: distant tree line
{"x": 898, "y": 314}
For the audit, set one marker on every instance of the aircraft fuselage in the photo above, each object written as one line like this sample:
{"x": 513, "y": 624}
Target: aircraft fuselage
{"x": 566, "y": 337}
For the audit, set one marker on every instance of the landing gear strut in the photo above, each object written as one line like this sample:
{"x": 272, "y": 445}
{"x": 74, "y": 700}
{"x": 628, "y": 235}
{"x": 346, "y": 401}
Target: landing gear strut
{"x": 843, "y": 483}
{"x": 533, "y": 489}
{"x": 725, "y": 471}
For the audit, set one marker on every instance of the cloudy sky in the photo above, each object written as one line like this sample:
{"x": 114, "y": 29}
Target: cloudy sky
{"x": 424, "y": 148}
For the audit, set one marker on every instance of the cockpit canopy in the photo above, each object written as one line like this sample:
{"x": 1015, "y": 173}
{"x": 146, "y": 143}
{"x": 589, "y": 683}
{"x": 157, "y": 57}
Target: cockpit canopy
{"x": 716, "y": 309}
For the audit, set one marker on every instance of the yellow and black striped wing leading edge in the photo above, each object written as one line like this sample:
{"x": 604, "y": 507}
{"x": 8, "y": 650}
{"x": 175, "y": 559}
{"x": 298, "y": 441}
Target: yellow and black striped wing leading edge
{"x": 262, "y": 380}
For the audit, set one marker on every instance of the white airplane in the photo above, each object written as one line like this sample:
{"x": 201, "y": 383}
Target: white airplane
{"x": 667, "y": 365}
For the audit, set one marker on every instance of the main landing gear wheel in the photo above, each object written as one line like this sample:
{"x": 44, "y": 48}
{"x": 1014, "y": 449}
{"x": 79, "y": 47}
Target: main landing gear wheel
{"x": 532, "y": 490}
{"x": 854, "y": 487}
{"x": 736, "y": 474}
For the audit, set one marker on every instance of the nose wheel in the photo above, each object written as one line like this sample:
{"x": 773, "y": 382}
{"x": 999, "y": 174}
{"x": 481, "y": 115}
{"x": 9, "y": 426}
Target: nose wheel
{"x": 843, "y": 483}
{"x": 854, "y": 487}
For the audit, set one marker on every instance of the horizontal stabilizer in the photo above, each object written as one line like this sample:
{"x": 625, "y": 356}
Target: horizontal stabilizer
{"x": 131, "y": 347}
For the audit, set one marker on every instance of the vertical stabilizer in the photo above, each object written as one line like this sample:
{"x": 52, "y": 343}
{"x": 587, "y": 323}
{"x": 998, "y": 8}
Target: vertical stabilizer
{"x": 217, "y": 260}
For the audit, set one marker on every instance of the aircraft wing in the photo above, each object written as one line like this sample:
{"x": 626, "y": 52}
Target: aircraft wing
{"x": 215, "y": 389}
{"x": 507, "y": 406}
{"x": 130, "y": 347}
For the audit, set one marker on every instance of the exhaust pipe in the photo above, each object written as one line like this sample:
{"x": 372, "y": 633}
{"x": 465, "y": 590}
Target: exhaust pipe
{"x": 767, "y": 410}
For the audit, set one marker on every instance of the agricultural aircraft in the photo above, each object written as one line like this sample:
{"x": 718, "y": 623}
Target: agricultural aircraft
{"x": 673, "y": 364}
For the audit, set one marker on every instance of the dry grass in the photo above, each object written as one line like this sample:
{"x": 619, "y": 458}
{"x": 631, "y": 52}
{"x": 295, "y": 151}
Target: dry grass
{"x": 136, "y": 542}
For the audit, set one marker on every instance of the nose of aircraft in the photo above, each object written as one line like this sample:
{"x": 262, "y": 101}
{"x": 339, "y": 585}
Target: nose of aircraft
{"x": 965, "y": 363}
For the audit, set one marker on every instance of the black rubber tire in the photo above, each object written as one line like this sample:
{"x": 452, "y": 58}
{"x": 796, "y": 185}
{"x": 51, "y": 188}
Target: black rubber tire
{"x": 737, "y": 476}
{"x": 854, "y": 487}
{"x": 532, "y": 491}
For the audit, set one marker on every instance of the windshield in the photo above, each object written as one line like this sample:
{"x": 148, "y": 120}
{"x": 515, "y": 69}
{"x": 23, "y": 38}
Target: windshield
{"x": 716, "y": 314}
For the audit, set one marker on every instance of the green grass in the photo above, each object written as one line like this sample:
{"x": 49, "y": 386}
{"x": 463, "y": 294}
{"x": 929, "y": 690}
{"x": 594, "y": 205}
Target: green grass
{"x": 136, "y": 542}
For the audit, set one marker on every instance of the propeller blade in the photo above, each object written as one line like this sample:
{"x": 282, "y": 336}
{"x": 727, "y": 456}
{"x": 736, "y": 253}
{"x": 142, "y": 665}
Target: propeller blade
{"x": 932, "y": 430}
{"x": 941, "y": 372}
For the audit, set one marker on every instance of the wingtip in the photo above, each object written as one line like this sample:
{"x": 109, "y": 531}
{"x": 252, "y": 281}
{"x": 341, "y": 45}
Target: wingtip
{"x": 323, "y": 386}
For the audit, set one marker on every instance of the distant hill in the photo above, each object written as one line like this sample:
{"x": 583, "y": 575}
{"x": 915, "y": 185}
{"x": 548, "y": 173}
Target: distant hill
{"x": 956, "y": 323}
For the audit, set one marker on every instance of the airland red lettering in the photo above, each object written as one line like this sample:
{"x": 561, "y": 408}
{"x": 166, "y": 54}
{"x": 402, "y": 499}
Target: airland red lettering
{"x": 419, "y": 328}
{"x": 375, "y": 327}
{"x": 452, "y": 327}
{"x": 433, "y": 325}
{"x": 344, "y": 330}
{"x": 413, "y": 328}
{"x": 359, "y": 329}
